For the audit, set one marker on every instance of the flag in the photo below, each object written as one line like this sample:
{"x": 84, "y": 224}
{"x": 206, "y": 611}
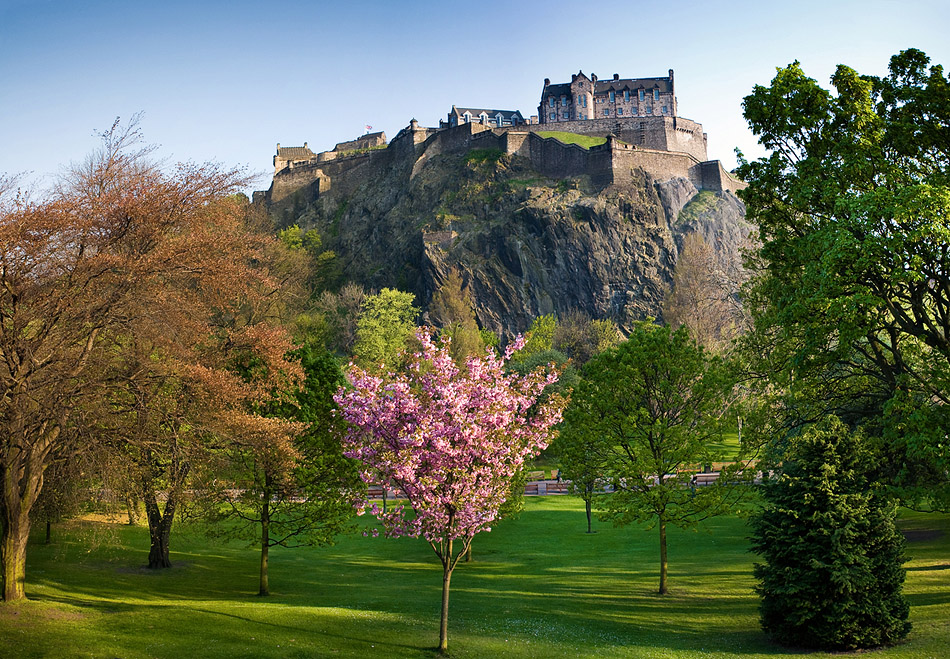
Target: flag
{"x": 369, "y": 128}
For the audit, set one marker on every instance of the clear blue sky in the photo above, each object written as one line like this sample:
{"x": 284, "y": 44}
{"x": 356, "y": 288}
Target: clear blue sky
{"x": 226, "y": 81}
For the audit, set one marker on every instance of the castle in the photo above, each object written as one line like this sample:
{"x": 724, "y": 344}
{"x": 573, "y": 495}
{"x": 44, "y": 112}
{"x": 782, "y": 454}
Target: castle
{"x": 588, "y": 98}
{"x": 636, "y": 116}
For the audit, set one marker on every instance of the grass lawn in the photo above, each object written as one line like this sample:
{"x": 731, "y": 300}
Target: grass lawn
{"x": 539, "y": 587}
{"x": 586, "y": 141}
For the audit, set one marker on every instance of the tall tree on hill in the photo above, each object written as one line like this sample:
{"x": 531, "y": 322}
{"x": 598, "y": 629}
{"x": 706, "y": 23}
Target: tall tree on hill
{"x": 453, "y": 312}
{"x": 120, "y": 239}
{"x": 704, "y": 296}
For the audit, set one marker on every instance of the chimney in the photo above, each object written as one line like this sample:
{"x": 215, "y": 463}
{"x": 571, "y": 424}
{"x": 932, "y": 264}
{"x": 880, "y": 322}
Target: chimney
{"x": 305, "y": 145}
{"x": 616, "y": 76}
{"x": 278, "y": 146}
{"x": 547, "y": 81}
{"x": 573, "y": 77}
{"x": 593, "y": 77}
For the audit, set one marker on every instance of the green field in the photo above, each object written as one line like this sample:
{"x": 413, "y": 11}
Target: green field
{"x": 539, "y": 587}
{"x": 586, "y": 141}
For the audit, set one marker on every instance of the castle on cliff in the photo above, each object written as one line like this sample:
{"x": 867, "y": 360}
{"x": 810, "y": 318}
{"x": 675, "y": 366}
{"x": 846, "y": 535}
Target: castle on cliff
{"x": 636, "y": 116}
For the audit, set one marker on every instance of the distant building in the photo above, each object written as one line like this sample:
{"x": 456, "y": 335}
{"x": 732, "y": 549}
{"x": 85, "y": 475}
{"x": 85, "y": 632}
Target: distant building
{"x": 288, "y": 154}
{"x": 498, "y": 118}
{"x": 586, "y": 98}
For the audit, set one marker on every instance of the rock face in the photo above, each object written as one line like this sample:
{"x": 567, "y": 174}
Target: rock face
{"x": 524, "y": 244}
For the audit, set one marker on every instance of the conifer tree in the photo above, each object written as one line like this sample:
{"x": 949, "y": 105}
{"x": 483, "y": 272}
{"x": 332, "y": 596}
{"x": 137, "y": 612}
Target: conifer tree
{"x": 832, "y": 574}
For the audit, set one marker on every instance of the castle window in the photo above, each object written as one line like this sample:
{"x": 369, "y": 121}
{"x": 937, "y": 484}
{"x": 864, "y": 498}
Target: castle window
{"x": 468, "y": 117}
{"x": 664, "y": 109}
{"x": 641, "y": 95}
{"x": 619, "y": 111}
{"x": 656, "y": 94}
{"x": 553, "y": 116}
{"x": 613, "y": 97}
{"x": 606, "y": 112}
{"x": 551, "y": 99}
{"x": 564, "y": 101}
{"x": 565, "y": 116}
{"x": 626, "y": 95}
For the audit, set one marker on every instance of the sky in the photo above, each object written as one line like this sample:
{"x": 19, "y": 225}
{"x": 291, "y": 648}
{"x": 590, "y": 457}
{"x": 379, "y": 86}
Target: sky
{"x": 225, "y": 81}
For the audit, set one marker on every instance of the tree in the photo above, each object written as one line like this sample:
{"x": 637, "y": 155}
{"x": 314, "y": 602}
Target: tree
{"x": 384, "y": 327}
{"x": 580, "y": 462}
{"x": 580, "y": 338}
{"x": 120, "y": 240}
{"x": 832, "y": 574}
{"x": 704, "y": 295}
{"x": 289, "y": 494}
{"x": 852, "y": 208}
{"x": 452, "y": 310}
{"x": 646, "y": 412}
{"x": 451, "y": 438}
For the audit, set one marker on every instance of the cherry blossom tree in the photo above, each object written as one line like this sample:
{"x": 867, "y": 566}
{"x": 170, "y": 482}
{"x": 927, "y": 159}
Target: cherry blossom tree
{"x": 450, "y": 438}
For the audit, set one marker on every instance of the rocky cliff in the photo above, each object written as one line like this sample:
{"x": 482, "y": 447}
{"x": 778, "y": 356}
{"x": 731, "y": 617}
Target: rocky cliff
{"x": 525, "y": 244}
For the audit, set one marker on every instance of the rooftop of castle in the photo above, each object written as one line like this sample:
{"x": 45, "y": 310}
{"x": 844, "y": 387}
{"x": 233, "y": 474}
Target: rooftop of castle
{"x": 295, "y": 152}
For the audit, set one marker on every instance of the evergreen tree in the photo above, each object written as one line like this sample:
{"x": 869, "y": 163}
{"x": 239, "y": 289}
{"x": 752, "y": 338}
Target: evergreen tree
{"x": 832, "y": 575}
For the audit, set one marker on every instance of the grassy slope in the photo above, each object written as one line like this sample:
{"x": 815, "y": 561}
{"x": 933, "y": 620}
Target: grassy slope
{"x": 539, "y": 586}
{"x": 586, "y": 141}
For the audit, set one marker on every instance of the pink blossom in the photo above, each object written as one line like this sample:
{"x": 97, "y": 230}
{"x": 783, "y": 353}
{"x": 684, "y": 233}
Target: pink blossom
{"x": 450, "y": 438}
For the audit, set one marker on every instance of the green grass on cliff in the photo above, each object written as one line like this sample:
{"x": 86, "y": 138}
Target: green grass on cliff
{"x": 586, "y": 141}
{"x": 539, "y": 587}
{"x": 702, "y": 202}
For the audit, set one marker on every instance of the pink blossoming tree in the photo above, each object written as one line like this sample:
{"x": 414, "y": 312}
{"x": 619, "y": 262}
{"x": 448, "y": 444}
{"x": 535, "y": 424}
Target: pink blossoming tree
{"x": 450, "y": 438}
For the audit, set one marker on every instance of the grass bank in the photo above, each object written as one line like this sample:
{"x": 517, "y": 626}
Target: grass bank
{"x": 586, "y": 141}
{"x": 539, "y": 587}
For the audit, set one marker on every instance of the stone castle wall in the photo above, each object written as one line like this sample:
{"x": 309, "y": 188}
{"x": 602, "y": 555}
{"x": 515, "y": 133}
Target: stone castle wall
{"x": 661, "y": 133}
{"x": 663, "y": 147}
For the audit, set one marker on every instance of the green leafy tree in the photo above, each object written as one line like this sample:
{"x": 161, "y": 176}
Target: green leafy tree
{"x": 581, "y": 463}
{"x": 289, "y": 494}
{"x": 852, "y": 302}
{"x": 580, "y": 338}
{"x": 385, "y": 325}
{"x": 648, "y": 410}
{"x": 832, "y": 574}
{"x": 539, "y": 337}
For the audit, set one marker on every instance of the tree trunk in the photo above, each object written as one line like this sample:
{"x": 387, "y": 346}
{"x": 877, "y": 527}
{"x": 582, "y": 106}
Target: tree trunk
{"x": 16, "y": 532}
{"x": 49, "y": 531}
{"x": 444, "y": 622}
{"x": 159, "y": 528}
{"x": 132, "y": 506}
{"x": 20, "y": 484}
{"x": 662, "y": 556}
{"x": 468, "y": 553}
{"x": 587, "y": 508}
{"x": 265, "y": 538}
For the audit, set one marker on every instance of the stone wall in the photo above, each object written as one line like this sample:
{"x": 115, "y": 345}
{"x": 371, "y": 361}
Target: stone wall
{"x": 661, "y": 133}
{"x": 663, "y": 147}
{"x": 371, "y": 141}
